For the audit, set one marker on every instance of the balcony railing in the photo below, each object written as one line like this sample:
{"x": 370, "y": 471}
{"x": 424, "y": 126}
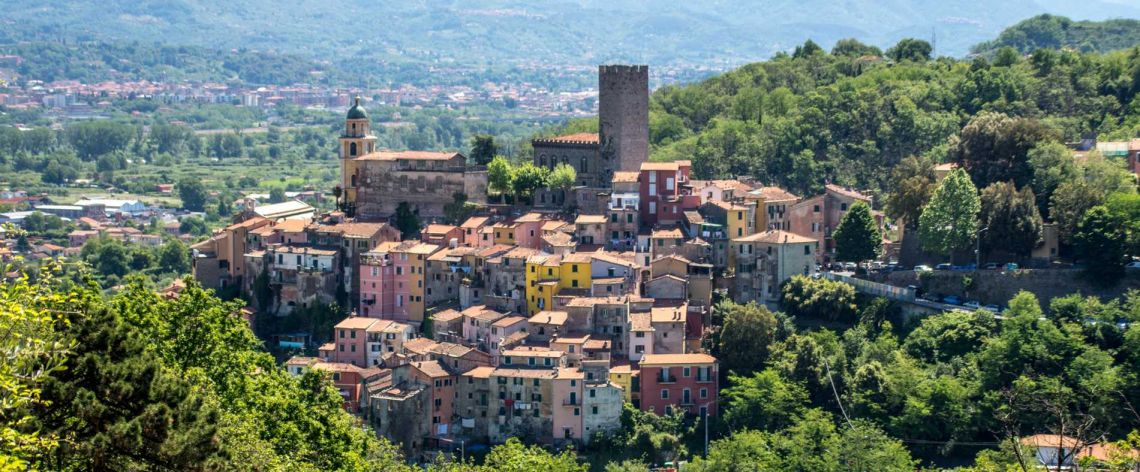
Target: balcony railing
{"x": 666, "y": 379}
{"x": 571, "y": 402}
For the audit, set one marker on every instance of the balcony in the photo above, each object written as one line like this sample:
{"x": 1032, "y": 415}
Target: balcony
{"x": 666, "y": 379}
{"x": 571, "y": 402}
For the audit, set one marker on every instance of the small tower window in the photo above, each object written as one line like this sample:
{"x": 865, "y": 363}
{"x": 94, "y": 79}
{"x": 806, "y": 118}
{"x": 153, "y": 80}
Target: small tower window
{"x": 352, "y": 148}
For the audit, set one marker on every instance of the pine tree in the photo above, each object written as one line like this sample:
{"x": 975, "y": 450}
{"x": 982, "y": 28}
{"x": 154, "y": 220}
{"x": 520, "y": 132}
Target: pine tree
{"x": 857, "y": 238}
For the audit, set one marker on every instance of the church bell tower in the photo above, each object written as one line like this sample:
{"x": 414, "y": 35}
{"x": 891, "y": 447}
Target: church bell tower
{"x": 356, "y": 140}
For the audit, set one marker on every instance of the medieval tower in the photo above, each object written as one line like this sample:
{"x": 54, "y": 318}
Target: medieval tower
{"x": 623, "y": 114}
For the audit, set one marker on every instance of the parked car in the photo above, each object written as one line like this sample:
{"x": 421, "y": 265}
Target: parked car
{"x": 943, "y": 266}
{"x": 1011, "y": 266}
{"x": 972, "y": 304}
{"x": 992, "y": 266}
{"x": 922, "y": 268}
{"x": 993, "y": 308}
{"x": 952, "y": 300}
{"x": 1134, "y": 265}
{"x": 849, "y": 266}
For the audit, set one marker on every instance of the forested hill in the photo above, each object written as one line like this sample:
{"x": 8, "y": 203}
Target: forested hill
{"x": 849, "y": 115}
{"x": 1057, "y": 32}
{"x": 94, "y": 61}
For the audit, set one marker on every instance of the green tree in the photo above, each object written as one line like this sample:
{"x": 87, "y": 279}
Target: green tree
{"x": 528, "y": 178}
{"x": 763, "y": 401}
{"x": 483, "y": 149}
{"x": 1069, "y": 204}
{"x": 1102, "y": 243}
{"x": 820, "y": 299}
{"x": 174, "y": 256}
{"x": 1012, "y": 218}
{"x": 950, "y": 335}
{"x": 743, "y": 339}
{"x": 910, "y": 49}
{"x": 1052, "y": 164}
{"x": 92, "y": 139}
{"x": 994, "y": 147}
{"x": 563, "y": 177}
{"x": 407, "y": 221}
{"x": 499, "y": 176}
{"x": 193, "y": 225}
{"x": 857, "y": 238}
{"x": 913, "y": 181}
{"x": 852, "y": 47}
{"x": 277, "y": 195}
{"x": 118, "y": 408}
{"x": 193, "y": 194}
{"x": 950, "y": 221}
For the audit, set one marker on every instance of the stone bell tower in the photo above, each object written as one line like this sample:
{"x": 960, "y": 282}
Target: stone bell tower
{"x": 623, "y": 115}
{"x": 356, "y": 140}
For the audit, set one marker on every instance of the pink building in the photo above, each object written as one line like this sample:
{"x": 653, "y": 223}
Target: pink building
{"x": 665, "y": 192}
{"x": 378, "y": 281}
{"x": 567, "y": 404}
{"x": 679, "y": 381}
{"x": 441, "y": 235}
{"x": 351, "y": 339}
{"x": 818, "y": 216}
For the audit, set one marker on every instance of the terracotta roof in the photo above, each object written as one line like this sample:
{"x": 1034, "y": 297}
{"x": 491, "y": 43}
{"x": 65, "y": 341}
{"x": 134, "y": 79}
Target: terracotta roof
{"x": 625, "y": 177}
{"x": 590, "y": 219}
{"x": 549, "y": 317}
{"x": 667, "y": 315}
{"x": 670, "y": 166}
{"x": 356, "y": 322}
{"x": 559, "y": 239}
{"x": 508, "y": 321}
{"x": 350, "y": 229}
{"x": 570, "y": 373}
{"x": 410, "y": 155}
{"x": 481, "y": 372}
{"x": 446, "y": 316}
{"x": 948, "y": 166}
{"x": 438, "y": 229}
{"x": 450, "y": 349}
{"x": 640, "y": 322}
{"x": 774, "y": 194}
{"x": 474, "y": 222}
{"x": 336, "y": 367}
{"x": 674, "y": 256}
{"x": 524, "y": 373}
{"x": 291, "y": 226}
{"x": 776, "y": 236}
{"x": 578, "y": 258}
{"x": 667, "y": 233}
{"x": 482, "y": 313}
{"x": 847, "y": 192}
{"x": 614, "y": 258}
{"x": 532, "y": 352}
{"x": 432, "y": 369}
{"x": 667, "y": 359}
{"x": 419, "y": 345}
{"x": 531, "y": 217}
{"x": 553, "y": 225}
{"x": 576, "y": 138}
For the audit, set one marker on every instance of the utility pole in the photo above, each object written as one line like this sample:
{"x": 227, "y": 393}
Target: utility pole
{"x": 978, "y": 248}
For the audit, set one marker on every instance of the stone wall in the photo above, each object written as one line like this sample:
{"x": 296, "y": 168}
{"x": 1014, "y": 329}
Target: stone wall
{"x": 623, "y": 112}
{"x": 382, "y": 188}
{"x": 998, "y": 287}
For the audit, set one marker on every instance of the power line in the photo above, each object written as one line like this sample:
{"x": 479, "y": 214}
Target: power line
{"x": 836, "y": 392}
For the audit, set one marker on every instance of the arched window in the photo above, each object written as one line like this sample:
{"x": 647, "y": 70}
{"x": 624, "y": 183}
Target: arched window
{"x": 583, "y": 170}
{"x": 354, "y": 129}
{"x": 353, "y": 184}
{"x": 352, "y": 149}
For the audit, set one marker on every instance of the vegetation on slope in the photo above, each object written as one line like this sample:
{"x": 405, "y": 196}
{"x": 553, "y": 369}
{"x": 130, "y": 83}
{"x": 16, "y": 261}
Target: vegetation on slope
{"x": 1058, "y": 32}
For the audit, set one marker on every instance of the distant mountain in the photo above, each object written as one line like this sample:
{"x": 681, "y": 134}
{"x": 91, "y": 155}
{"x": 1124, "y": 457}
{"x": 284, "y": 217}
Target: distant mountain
{"x": 1056, "y": 32}
{"x": 493, "y": 33}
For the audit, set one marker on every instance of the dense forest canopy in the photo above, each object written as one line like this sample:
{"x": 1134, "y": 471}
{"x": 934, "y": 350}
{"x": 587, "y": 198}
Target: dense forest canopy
{"x": 812, "y": 117}
{"x": 1058, "y": 32}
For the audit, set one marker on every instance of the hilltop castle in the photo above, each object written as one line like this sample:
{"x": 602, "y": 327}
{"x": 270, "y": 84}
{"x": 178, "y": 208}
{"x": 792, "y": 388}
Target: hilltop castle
{"x": 375, "y": 182}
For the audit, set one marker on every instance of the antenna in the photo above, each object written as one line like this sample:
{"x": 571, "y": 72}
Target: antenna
{"x": 933, "y": 42}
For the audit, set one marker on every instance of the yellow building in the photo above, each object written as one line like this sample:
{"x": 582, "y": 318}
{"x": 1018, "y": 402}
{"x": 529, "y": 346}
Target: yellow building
{"x": 622, "y": 375}
{"x": 542, "y": 278}
{"x": 547, "y": 275}
{"x": 575, "y": 271}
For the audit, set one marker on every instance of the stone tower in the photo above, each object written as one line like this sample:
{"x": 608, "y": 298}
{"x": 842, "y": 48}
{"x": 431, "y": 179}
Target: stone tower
{"x": 623, "y": 113}
{"x": 357, "y": 140}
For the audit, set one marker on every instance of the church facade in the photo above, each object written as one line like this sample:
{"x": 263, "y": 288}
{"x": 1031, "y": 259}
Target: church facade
{"x": 375, "y": 182}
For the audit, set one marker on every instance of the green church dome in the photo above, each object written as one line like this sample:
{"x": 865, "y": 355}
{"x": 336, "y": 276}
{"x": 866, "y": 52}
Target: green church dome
{"x": 357, "y": 112}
